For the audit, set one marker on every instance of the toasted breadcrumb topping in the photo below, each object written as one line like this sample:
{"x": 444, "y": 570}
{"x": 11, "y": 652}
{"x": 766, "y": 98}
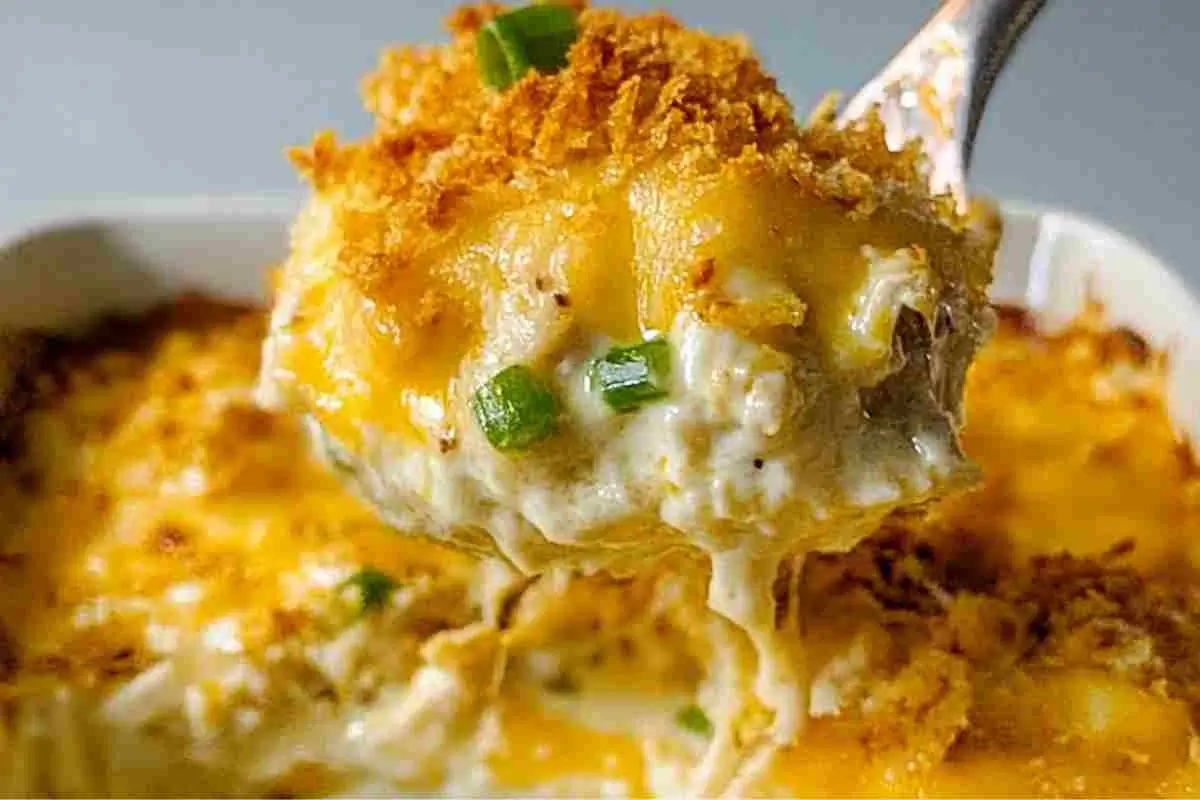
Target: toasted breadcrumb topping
{"x": 634, "y": 89}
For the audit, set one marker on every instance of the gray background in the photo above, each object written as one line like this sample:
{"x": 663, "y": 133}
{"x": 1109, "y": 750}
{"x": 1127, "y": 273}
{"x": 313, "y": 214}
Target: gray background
{"x": 1097, "y": 114}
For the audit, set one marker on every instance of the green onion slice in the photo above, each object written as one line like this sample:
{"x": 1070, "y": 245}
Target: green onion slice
{"x": 536, "y": 37}
{"x": 374, "y": 588}
{"x": 694, "y": 719}
{"x": 515, "y": 409}
{"x": 628, "y": 377}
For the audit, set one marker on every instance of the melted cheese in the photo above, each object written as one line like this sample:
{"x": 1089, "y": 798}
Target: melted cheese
{"x": 542, "y": 750}
{"x": 189, "y": 563}
{"x": 174, "y": 568}
{"x": 1096, "y": 697}
{"x": 399, "y": 410}
{"x": 1079, "y": 453}
{"x": 161, "y": 479}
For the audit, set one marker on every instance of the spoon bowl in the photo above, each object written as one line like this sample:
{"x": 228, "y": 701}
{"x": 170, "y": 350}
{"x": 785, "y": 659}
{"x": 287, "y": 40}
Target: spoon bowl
{"x": 935, "y": 89}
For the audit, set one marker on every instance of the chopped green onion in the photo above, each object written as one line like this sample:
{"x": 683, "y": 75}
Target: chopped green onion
{"x": 515, "y": 409}
{"x": 628, "y": 377}
{"x": 694, "y": 719}
{"x": 536, "y": 37}
{"x": 373, "y": 587}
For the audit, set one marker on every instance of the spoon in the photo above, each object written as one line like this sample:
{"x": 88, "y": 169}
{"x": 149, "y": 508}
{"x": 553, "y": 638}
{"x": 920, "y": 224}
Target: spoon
{"x": 936, "y": 87}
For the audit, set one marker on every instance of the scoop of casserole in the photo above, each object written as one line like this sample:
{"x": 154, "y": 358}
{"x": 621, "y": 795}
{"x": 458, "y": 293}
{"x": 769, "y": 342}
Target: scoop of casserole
{"x": 625, "y": 305}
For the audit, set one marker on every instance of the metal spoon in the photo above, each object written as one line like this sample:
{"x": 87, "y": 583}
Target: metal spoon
{"x": 936, "y": 87}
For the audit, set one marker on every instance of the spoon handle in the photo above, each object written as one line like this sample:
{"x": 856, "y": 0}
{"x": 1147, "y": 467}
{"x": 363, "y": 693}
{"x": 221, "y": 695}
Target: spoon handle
{"x": 994, "y": 30}
{"x": 936, "y": 87}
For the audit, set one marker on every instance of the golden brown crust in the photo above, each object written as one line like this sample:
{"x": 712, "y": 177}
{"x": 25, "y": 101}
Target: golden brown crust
{"x": 632, "y": 85}
{"x": 634, "y": 89}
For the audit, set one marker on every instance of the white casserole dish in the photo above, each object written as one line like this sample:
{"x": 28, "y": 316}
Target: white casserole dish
{"x": 127, "y": 256}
